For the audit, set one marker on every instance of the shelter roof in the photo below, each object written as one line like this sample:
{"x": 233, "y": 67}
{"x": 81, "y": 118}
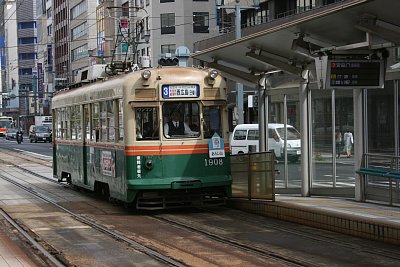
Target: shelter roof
{"x": 293, "y": 42}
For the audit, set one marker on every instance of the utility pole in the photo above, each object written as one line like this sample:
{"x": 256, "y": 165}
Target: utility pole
{"x": 239, "y": 86}
{"x": 35, "y": 91}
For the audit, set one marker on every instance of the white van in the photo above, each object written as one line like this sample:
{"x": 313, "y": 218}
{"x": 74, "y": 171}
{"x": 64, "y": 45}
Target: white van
{"x": 245, "y": 139}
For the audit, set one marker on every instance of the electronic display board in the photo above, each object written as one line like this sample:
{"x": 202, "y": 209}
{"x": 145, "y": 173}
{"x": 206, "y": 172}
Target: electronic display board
{"x": 355, "y": 73}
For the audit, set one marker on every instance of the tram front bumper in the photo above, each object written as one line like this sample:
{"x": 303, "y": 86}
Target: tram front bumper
{"x": 178, "y": 183}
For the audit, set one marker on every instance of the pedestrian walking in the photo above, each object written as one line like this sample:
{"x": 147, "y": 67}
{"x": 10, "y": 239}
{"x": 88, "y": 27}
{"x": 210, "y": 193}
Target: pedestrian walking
{"x": 348, "y": 142}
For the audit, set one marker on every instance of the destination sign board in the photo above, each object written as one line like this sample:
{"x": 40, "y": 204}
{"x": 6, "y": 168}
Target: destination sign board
{"x": 353, "y": 73}
{"x": 180, "y": 91}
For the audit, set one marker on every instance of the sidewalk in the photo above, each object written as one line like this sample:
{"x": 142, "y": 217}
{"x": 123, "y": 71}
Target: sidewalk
{"x": 367, "y": 220}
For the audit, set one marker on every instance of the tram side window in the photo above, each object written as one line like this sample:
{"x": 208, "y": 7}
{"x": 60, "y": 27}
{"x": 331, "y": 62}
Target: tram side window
{"x": 212, "y": 121}
{"x": 96, "y": 122}
{"x": 147, "y": 123}
{"x": 104, "y": 121}
{"x": 76, "y": 131}
{"x": 107, "y": 121}
{"x": 86, "y": 121}
{"x": 64, "y": 123}
{"x": 181, "y": 119}
{"x": 58, "y": 124}
{"x": 67, "y": 124}
{"x": 120, "y": 120}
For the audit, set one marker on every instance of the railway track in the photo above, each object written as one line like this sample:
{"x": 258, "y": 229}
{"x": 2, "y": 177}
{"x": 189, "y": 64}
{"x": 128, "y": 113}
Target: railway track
{"x": 245, "y": 248}
{"x": 48, "y": 257}
{"x": 99, "y": 227}
{"x": 289, "y": 261}
{"x": 187, "y": 222}
{"x": 324, "y": 237}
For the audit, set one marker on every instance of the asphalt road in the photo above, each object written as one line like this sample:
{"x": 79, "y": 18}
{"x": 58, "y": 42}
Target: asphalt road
{"x": 38, "y": 149}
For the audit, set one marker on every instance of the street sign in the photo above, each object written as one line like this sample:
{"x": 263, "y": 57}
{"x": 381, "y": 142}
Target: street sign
{"x": 355, "y": 73}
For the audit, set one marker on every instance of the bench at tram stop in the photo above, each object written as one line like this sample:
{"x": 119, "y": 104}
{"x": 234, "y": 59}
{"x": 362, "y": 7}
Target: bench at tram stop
{"x": 383, "y": 166}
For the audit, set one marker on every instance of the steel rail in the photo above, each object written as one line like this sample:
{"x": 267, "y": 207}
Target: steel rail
{"x": 32, "y": 241}
{"x": 259, "y": 252}
{"x": 101, "y": 228}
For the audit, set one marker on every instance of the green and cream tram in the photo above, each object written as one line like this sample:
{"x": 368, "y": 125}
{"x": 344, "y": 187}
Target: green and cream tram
{"x": 118, "y": 137}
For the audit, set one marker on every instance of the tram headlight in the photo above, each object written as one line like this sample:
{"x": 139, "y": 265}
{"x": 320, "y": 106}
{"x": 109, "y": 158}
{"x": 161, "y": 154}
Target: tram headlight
{"x": 146, "y": 74}
{"x": 213, "y": 74}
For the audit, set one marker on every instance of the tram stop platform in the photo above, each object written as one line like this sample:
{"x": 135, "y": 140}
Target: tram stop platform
{"x": 368, "y": 220}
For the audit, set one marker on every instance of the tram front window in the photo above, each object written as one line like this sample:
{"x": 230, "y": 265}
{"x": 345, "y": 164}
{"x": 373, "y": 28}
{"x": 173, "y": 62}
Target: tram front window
{"x": 147, "y": 123}
{"x": 212, "y": 121}
{"x": 181, "y": 119}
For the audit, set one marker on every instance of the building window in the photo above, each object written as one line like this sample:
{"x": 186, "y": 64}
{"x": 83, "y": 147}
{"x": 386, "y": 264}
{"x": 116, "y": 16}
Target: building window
{"x": 27, "y": 40}
{"x": 200, "y": 22}
{"x": 125, "y": 10}
{"x": 168, "y": 23}
{"x": 27, "y": 56}
{"x": 166, "y": 1}
{"x": 305, "y": 5}
{"x": 25, "y": 87}
{"x": 48, "y": 13}
{"x": 78, "y": 10}
{"x": 80, "y": 52}
{"x": 79, "y": 31}
{"x": 49, "y": 30}
{"x": 27, "y": 25}
{"x": 25, "y": 71}
{"x": 49, "y": 56}
{"x": 168, "y": 48}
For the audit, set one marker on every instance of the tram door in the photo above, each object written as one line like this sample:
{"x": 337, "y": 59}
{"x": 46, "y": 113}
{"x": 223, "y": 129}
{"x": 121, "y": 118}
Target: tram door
{"x": 284, "y": 109}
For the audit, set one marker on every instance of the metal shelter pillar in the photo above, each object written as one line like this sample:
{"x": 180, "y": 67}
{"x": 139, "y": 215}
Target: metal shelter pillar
{"x": 263, "y": 100}
{"x": 305, "y": 133}
{"x": 239, "y": 86}
{"x": 358, "y": 106}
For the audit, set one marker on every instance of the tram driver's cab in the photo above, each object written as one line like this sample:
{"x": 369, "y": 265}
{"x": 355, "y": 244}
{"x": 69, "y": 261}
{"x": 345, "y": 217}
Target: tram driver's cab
{"x": 180, "y": 119}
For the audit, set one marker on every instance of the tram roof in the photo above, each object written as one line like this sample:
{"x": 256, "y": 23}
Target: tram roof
{"x": 337, "y": 27}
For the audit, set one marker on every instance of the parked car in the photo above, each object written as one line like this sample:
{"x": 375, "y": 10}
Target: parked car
{"x": 39, "y": 133}
{"x": 245, "y": 139}
{"x": 11, "y": 134}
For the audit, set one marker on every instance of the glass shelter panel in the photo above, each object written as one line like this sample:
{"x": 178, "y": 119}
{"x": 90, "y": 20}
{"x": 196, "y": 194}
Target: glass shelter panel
{"x": 332, "y": 139}
{"x": 381, "y": 117}
{"x": 322, "y": 160}
{"x": 344, "y": 138}
{"x": 284, "y": 112}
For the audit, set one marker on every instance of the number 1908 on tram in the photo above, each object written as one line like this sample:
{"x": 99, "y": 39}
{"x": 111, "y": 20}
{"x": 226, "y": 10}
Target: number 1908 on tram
{"x": 154, "y": 138}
